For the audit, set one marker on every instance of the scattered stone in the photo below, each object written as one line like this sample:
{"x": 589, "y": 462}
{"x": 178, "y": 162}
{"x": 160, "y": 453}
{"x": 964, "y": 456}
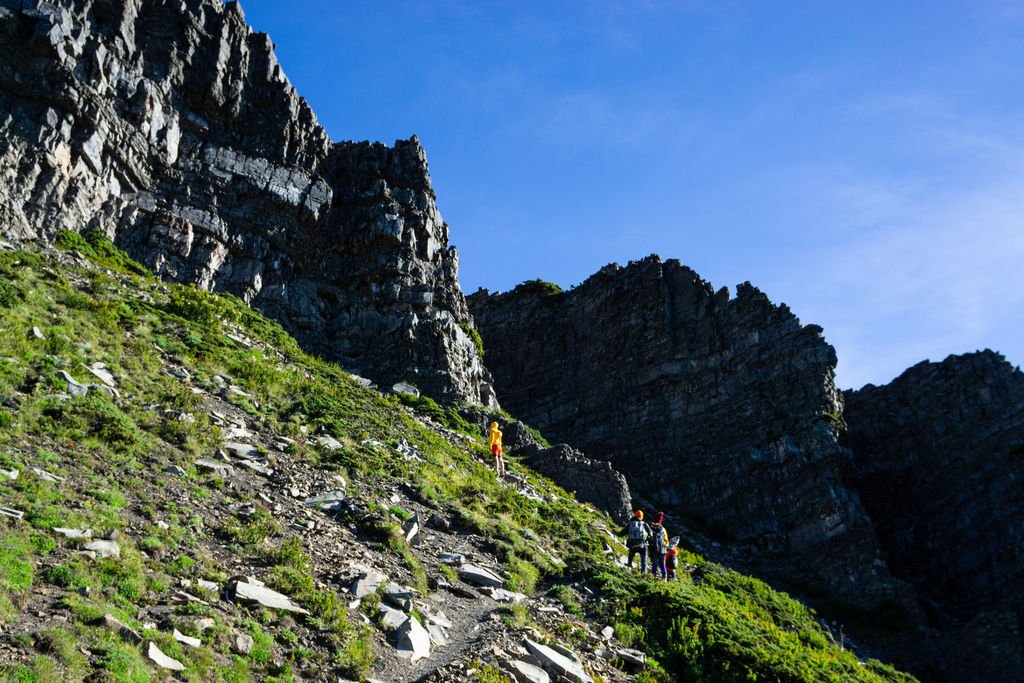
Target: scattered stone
{"x": 453, "y": 559}
{"x": 524, "y": 672}
{"x": 99, "y": 370}
{"x": 479, "y": 576}
{"x": 238, "y": 391}
{"x": 11, "y": 512}
{"x": 440, "y": 619}
{"x": 37, "y": 333}
{"x": 177, "y": 471}
{"x": 187, "y": 640}
{"x": 104, "y": 548}
{"x": 329, "y": 500}
{"x": 241, "y": 589}
{"x": 607, "y": 632}
{"x": 257, "y": 467}
{"x": 208, "y": 585}
{"x": 631, "y": 656}
{"x": 221, "y": 468}
{"x": 124, "y": 631}
{"x": 405, "y": 388}
{"x": 162, "y": 660}
{"x": 390, "y": 617}
{"x": 368, "y": 582}
{"x": 73, "y": 533}
{"x": 46, "y": 476}
{"x": 362, "y": 381}
{"x": 242, "y": 644}
{"x": 329, "y": 442}
{"x": 557, "y": 663}
{"x": 438, "y": 522}
{"x": 413, "y": 640}
{"x": 400, "y": 596}
{"x": 74, "y": 387}
{"x": 411, "y": 528}
{"x": 242, "y": 450}
{"x": 204, "y": 623}
{"x": 11, "y": 474}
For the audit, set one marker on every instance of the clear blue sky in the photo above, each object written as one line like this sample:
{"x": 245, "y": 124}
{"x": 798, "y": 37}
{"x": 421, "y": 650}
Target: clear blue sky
{"x": 862, "y": 162}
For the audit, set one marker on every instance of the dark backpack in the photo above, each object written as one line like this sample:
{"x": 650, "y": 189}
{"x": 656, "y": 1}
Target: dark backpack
{"x": 658, "y": 539}
{"x": 637, "y": 534}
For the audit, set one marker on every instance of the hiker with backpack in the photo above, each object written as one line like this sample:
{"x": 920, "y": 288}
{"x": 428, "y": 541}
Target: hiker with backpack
{"x": 494, "y": 443}
{"x": 657, "y": 546}
{"x": 672, "y": 558}
{"x": 637, "y": 533}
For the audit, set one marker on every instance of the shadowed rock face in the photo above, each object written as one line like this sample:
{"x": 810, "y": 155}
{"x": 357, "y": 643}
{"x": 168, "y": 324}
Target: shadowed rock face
{"x": 172, "y": 128}
{"x": 940, "y": 467}
{"x": 717, "y": 407}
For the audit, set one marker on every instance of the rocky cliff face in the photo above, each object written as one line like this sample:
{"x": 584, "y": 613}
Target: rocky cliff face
{"x": 939, "y": 462}
{"x": 722, "y": 408}
{"x": 171, "y": 127}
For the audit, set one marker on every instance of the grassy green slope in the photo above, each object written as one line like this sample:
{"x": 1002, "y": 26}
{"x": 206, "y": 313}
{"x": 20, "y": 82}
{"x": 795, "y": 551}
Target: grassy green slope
{"x": 714, "y": 625}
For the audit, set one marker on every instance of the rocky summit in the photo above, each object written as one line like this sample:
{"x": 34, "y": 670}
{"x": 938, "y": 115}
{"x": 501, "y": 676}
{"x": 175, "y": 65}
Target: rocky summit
{"x": 722, "y": 409}
{"x": 171, "y": 128}
{"x": 939, "y": 456}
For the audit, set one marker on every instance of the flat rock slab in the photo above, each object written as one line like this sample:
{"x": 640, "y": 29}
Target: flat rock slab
{"x": 438, "y": 636}
{"x": 411, "y": 528}
{"x": 405, "y": 388}
{"x": 330, "y": 443}
{"x": 104, "y": 548}
{"x": 11, "y": 512}
{"x": 215, "y": 466}
{"x": 74, "y": 387}
{"x": 99, "y": 370}
{"x": 391, "y": 617}
{"x": 440, "y": 619}
{"x": 524, "y": 672}
{"x": 125, "y": 632}
{"x": 328, "y": 500}
{"x": 73, "y": 533}
{"x": 162, "y": 660}
{"x": 187, "y": 640}
{"x": 556, "y": 663}
{"x": 251, "y": 592}
{"x": 502, "y": 595}
{"x": 399, "y": 596}
{"x": 479, "y": 576}
{"x": 413, "y": 641}
{"x": 257, "y": 466}
{"x": 242, "y": 450}
{"x": 368, "y": 582}
{"x": 453, "y": 559}
{"x": 631, "y": 656}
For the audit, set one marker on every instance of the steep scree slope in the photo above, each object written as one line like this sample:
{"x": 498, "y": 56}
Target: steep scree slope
{"x": 204, "y": 447}
{"x": 170, "y": 127}
{"x": 724, "y": 409}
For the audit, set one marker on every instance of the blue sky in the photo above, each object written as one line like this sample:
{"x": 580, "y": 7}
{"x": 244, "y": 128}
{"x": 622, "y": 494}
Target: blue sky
{"x": 862, "y": 162}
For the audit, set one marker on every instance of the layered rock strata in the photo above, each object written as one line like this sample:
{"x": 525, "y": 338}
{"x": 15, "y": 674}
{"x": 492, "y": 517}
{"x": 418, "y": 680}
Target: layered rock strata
{"x": 589, "y": 480}
{"x": 722, "y": 408}
{"x": 172, "y": 128}
{"x": 939, "y": 464}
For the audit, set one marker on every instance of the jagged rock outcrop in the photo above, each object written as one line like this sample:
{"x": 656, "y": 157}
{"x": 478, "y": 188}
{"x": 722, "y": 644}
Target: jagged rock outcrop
{"x": 171, "y": 127}
{"x": 723, "y": 409}
{"x": 591, "y": 481}
{"x": 939, "y": 464}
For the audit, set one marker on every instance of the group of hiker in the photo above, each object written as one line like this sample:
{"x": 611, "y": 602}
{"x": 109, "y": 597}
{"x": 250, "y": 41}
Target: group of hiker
{"x": 651, "y": 542}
